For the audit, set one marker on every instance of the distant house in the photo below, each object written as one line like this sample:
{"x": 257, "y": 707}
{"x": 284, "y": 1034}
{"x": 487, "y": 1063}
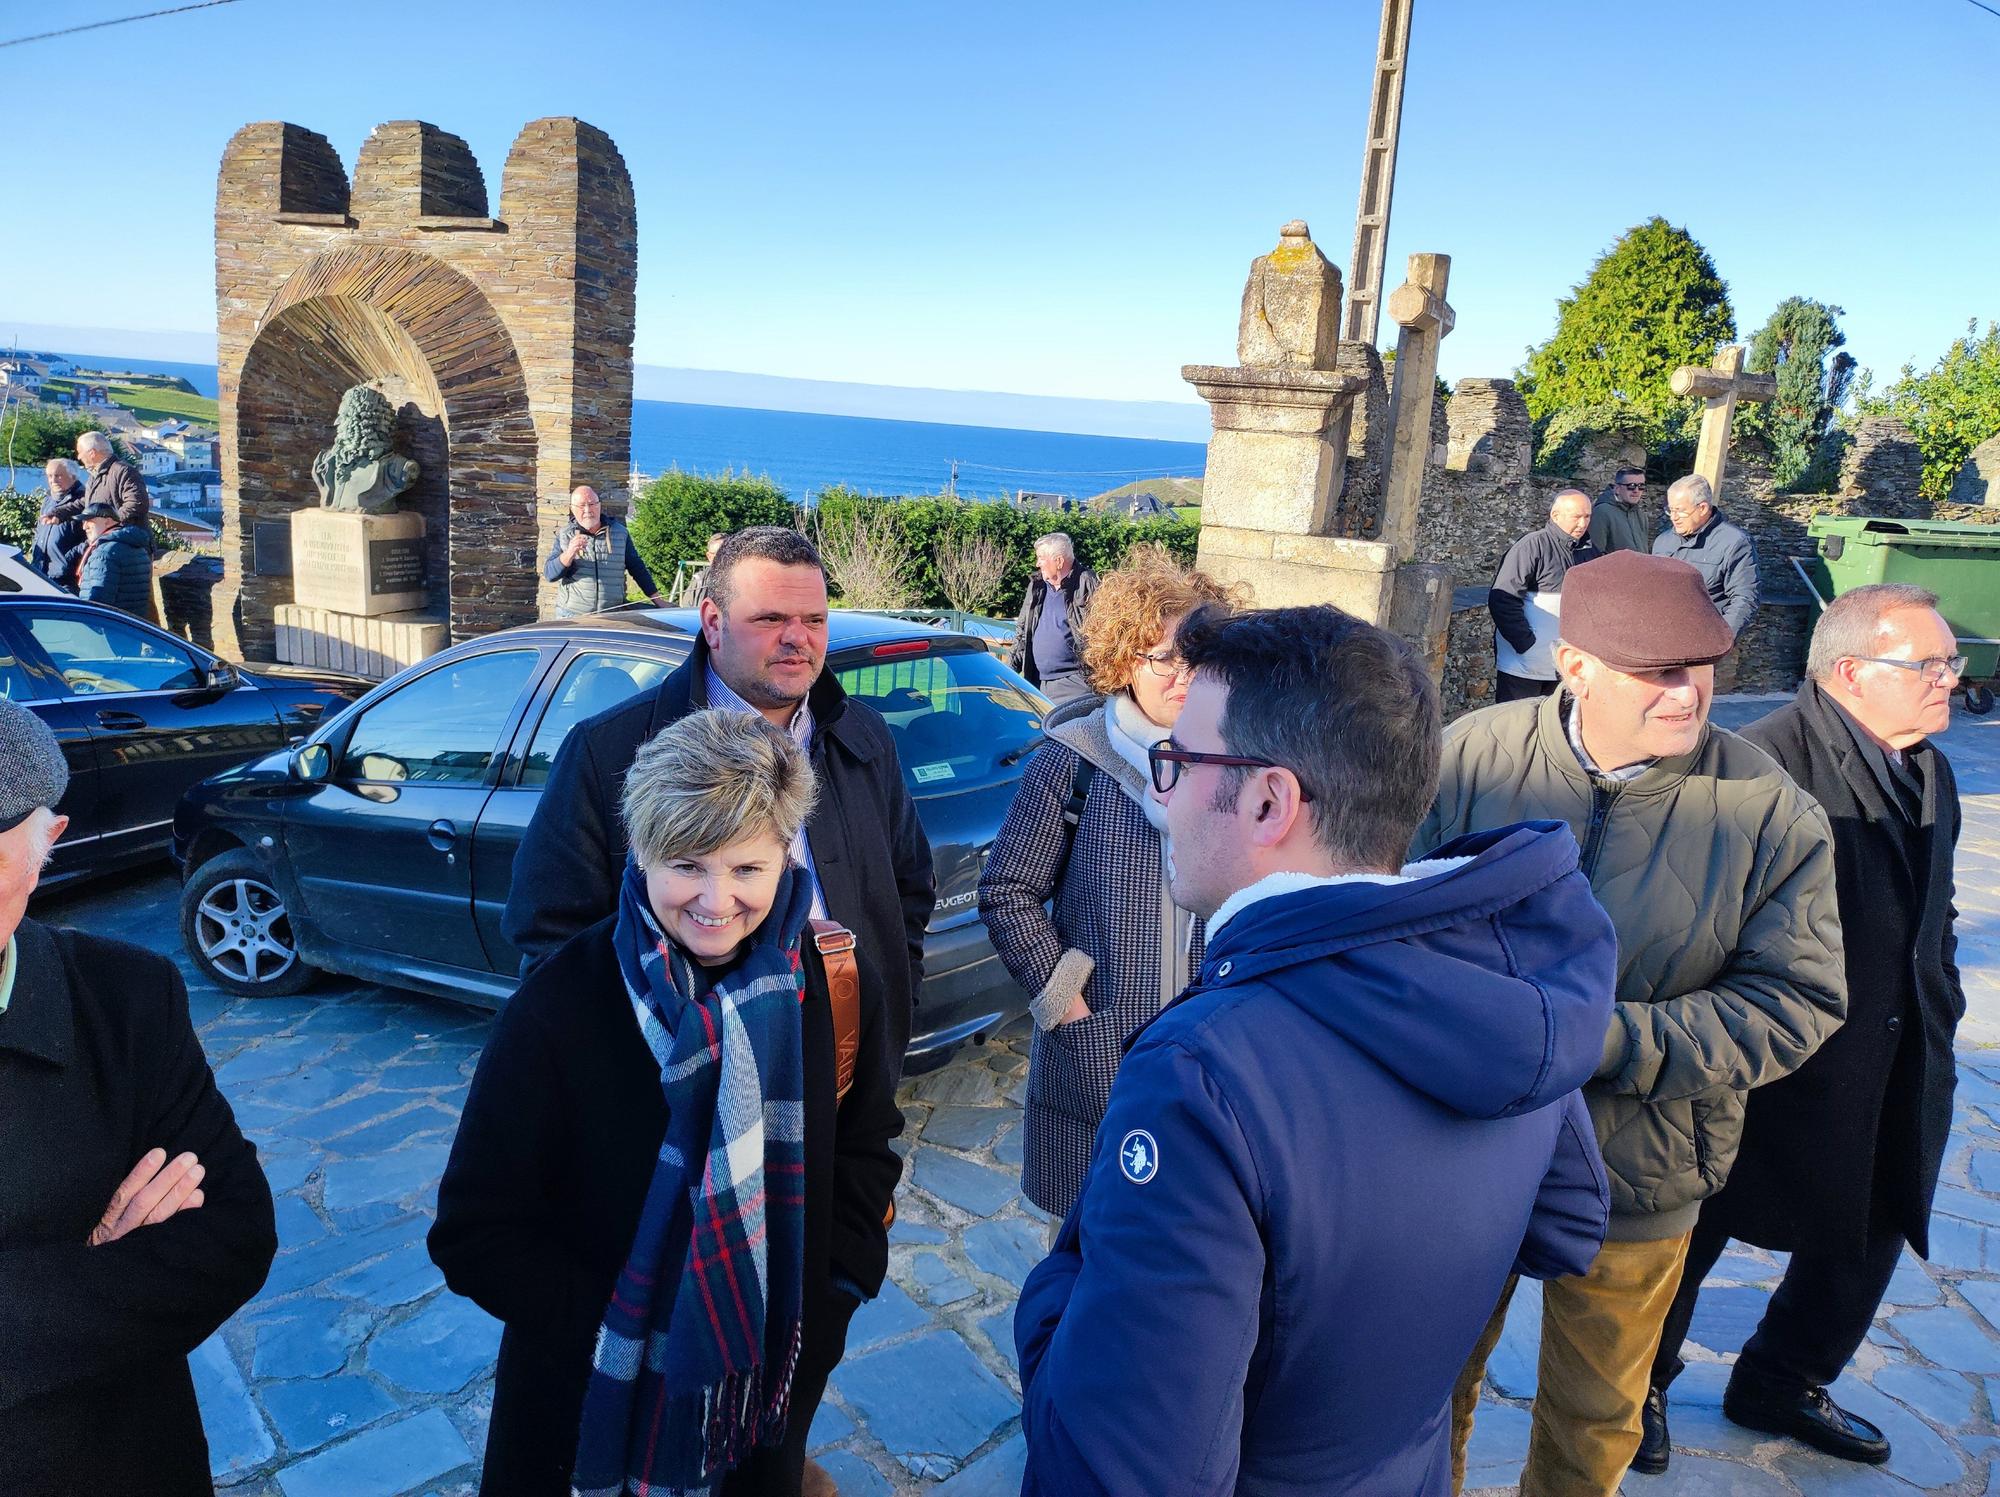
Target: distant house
{"x": 152, "y": 458}
{"x": 191, "y": 448}
{"x": 172, "y": 426}
{"x": 93, "y": 395}
{"x": 23, "y": 376}
{"x": 1141, "y": 506}
{"x": 58, "y": 366}
{"x": 1029, "y": 499}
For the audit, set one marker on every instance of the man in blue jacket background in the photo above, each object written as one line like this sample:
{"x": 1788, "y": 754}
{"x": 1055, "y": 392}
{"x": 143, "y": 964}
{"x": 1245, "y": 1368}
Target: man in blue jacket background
{"x": 1320, "y": 1165}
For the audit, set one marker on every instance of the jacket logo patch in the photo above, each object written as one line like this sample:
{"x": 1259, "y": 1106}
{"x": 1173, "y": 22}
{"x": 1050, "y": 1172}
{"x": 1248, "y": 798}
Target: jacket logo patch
{"x": 1139, "y": 1156}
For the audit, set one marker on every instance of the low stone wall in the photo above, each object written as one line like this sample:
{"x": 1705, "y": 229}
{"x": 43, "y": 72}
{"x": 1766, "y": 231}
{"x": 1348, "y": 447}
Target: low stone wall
{"x": 1468, "y": 655}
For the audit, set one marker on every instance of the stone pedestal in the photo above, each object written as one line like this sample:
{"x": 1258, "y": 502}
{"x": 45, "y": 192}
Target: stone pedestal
{"x": 376, "y": 647}
{"x": 346, "y": 561}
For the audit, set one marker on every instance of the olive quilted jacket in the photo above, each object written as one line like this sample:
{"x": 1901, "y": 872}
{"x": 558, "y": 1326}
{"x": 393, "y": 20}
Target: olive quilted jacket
{"x": 1717, "y": 872}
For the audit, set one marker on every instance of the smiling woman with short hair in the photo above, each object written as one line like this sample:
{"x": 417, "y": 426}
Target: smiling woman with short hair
{"x": 657, "y": 1128}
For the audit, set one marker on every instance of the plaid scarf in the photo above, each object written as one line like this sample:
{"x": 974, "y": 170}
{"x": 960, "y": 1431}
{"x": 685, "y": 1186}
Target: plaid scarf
{"x": 694, "y": 1360}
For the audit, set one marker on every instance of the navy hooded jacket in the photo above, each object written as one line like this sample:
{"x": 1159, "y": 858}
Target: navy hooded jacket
{"x": 1318, "y": 1168}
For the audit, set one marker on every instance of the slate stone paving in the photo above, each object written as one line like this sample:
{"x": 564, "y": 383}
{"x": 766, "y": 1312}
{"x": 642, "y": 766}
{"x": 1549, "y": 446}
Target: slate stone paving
{"x": 355, "y": 1373}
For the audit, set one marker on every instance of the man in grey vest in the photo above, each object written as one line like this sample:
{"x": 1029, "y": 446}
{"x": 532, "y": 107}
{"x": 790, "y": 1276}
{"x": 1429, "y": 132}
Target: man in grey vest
{"x": 589, "y": 559}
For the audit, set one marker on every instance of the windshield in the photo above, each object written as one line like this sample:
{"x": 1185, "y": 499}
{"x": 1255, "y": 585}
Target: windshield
{"x": 960, "y": 720}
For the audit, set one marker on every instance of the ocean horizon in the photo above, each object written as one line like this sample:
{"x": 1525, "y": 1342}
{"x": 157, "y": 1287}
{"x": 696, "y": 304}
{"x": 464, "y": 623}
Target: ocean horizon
{"x": 804, "y": 453}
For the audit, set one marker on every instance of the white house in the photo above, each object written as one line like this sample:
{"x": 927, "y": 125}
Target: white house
{"x": 21, "y": 375}
{"x": 152, "y": 458}
{"x": 193, "y": 449}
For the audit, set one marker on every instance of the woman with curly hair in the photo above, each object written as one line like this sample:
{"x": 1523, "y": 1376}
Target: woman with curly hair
{"x": 1074, "y": 894}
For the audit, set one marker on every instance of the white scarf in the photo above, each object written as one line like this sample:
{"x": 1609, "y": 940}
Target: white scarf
{"x": 1132, "y": 733}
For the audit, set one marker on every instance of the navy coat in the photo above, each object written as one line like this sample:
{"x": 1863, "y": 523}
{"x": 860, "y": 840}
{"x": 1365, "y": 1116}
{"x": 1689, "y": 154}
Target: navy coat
{"x": 118, "y": 569}
{"x": 1316, "y": 1173}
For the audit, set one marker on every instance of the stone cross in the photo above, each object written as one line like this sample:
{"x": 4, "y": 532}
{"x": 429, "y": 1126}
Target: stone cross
{"x": 1418, "y": 307}
{"x": 1719, "y": 387}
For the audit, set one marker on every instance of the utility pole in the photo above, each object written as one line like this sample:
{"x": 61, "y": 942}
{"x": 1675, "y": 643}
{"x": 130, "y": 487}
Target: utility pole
{"x": 953, "y": 489}
{"x": 1378, "y": 174}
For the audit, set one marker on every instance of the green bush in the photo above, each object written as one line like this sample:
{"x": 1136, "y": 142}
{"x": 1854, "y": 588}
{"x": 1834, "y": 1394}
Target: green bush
{"x": 32, "y": 434}
{"x": 1951, "y": 407}
{"x": 19, "y": 509}
{"x": 1102, "y": 541}
{"x": 674, "y": 515}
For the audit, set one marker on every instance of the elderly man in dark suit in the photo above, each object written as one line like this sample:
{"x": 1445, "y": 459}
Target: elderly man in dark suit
{"x": 134, "y": 1218}
{"x": 1840, "y": 1159}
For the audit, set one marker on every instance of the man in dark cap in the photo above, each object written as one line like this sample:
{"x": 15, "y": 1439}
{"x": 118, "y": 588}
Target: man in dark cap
{"x": 134, "y": 1217}
{"x": 1717, "y": 872}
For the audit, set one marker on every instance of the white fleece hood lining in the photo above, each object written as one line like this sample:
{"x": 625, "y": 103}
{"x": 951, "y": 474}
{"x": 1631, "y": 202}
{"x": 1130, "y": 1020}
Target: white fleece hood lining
{"x": 1273, "y": 884}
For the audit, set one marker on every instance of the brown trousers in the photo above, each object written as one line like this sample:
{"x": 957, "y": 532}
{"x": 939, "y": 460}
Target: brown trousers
{"x": 1599, "y": 1333}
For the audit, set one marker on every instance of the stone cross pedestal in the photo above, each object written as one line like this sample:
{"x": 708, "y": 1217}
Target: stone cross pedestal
{"x": 1279, "y": 456}
{"x": 1419, "y": 308}
{"x": 1719, "y": 387}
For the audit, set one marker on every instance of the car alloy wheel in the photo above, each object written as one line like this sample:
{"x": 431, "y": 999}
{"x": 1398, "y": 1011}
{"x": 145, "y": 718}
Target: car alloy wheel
{"x": 243, "y": 933}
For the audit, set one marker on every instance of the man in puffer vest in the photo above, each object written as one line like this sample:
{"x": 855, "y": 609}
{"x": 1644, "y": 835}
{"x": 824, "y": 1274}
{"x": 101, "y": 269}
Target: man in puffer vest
{"x": 1717, "y": 872}
{"x": 1320, "y": 1165}
{"x": 590, "y": 557}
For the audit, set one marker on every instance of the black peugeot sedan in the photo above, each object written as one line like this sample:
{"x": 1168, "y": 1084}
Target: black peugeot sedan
{"x": 141, "y": 716}
{"x": 383, "y": 847}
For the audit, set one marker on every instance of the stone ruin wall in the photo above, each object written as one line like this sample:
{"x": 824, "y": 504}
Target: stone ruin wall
{"x": 505, "y": 342}
{"x": 1480, "y": 496}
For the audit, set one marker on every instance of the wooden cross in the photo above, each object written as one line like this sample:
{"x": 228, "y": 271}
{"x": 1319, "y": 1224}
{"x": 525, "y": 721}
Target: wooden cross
{"x": 1419, "y": 308}
{"x": 1719, "y": 387}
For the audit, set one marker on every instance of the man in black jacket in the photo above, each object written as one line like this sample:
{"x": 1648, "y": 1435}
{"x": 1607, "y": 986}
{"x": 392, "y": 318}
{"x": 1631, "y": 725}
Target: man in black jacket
{"x": 1524, "y": 598}
{"x": 113, "y": 481}
{"x": 1840, "y": 1159}
{"x": 1048, "y": 641}
{"x": 59, "y": 537}
{"x": 134, "y": 1218}
{"x": 762, "y": 648}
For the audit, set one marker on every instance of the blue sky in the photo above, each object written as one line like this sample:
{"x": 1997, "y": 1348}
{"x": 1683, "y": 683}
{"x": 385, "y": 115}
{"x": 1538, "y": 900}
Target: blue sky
{"x": 1056, "y": 198}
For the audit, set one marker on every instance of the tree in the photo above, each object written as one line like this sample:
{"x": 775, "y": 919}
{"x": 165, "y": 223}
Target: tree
{"x": 674, "y": 515}
{"x": 1652, "y": 301}
{"x": 969, "y": 568}
{"x": 32, "y": 433}
{"x": 1801, "y": 344}
{"x": 866, "y": 557}
{"x": 1951, "y": 407}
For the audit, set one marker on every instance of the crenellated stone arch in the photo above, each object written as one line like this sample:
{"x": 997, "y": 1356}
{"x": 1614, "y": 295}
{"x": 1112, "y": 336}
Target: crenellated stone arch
{"x": 504, "y": 343}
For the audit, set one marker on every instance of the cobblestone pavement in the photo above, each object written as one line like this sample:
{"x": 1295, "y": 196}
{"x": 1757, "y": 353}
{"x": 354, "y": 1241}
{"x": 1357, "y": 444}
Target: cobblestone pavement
{"x": 356, "y": 1374}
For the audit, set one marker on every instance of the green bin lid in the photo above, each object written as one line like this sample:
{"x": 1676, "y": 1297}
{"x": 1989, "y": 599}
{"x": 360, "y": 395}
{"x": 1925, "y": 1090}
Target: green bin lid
{"x": 1865, "y": 531}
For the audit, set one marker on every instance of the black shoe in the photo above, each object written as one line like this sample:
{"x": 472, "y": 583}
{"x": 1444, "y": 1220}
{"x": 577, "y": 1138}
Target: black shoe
{"x": 1809, "y": 1416}
{"x": 1655, "y": 1446}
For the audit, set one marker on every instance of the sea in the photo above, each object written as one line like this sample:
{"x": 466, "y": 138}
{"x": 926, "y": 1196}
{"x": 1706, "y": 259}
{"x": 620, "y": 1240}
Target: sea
{"x": 804, "y": 453}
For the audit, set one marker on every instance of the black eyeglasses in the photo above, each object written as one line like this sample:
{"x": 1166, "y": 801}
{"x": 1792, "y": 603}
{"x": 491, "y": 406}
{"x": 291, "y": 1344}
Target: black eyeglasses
{"x": 1166, "y": 760}
{"x": 1933, "y": 671}
{"x": 1640, "y": 485}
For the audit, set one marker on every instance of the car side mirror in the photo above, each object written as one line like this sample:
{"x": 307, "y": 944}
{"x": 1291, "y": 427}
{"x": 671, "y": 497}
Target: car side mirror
{"x": 222, "y": 676}
{"x": 312, "y": 764}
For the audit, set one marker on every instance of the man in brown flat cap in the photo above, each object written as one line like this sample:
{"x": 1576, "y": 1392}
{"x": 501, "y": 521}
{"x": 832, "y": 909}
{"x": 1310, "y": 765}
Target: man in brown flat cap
{"x": 1717, "y": 872}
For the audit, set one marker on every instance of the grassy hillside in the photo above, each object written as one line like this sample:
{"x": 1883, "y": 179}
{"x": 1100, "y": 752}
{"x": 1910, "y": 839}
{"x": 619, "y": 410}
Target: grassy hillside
{"x": 153, "y": 400}
{"x": 1175, "y": 493}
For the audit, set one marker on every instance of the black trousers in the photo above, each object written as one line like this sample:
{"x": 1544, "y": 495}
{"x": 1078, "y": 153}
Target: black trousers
{"x": 1508, "y": 688}
{"x": 1817, "y": 1318}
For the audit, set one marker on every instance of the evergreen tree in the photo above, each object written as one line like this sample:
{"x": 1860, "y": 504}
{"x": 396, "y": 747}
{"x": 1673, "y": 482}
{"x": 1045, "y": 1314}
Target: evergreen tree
{"x": 1801, "y": 344}
{"x": 1652, "y": 301}
{"x": 1951, "y": 407}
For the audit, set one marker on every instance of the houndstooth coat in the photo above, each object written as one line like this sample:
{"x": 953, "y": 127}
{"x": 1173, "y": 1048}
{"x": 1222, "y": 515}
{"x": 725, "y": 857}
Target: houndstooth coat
{"x": 1111, "y": 919}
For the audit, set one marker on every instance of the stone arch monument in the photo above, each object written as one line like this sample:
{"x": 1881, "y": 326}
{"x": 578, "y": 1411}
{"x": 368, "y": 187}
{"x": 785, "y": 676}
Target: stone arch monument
{"x": 503, "y": 344}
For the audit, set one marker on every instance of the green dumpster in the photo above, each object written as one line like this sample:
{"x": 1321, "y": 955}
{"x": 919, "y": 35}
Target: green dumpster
{"x": 1958, "y": 562}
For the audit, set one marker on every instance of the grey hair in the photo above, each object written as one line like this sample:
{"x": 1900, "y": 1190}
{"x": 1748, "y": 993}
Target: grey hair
{"x": 45, "y": 834}
{"x": 712, "y": 779}
{"x": 1057, "y": 542}
{"x": 1853, "y": 620}
{"x": 96, "y": 441}
{"x": 68, "y": 467}
{"x": 1693, "y": 488}
{"x": 1562, "y": 494}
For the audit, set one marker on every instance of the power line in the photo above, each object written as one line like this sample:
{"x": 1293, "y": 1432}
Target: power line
{"x": 43, "y": 36}
{"x": 1984, "y": 6}
{"x": 1134, "y": 473}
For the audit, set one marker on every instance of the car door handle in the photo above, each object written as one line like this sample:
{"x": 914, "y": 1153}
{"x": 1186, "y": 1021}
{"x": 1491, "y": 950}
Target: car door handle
{"x": 443, "y": 835}
{"x": 121, "y": 722}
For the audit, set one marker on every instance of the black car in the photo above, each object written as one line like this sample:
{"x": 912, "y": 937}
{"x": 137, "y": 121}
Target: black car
{"x": 384, "y": 847}
{"x": 141, "y": 716}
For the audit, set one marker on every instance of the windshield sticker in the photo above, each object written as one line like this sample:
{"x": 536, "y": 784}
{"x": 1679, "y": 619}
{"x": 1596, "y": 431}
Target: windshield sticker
{"x": 923, "y": 774}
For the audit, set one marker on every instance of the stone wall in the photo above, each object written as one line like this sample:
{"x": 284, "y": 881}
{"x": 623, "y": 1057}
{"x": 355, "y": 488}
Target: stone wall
{"x": 504, "y": 342}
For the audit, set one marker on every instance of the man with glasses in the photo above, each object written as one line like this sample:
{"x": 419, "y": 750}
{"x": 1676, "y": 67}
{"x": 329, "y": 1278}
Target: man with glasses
{"x": 1717, "y": 872}
{"x": 1839, "y": 1160}
{"x": 1321, "y": 1163}
{"x": 1620, "y": 521}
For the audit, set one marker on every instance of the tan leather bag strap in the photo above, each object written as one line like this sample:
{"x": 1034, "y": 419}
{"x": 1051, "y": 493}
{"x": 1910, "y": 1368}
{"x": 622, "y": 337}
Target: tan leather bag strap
{"x": 843, "y": 990}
